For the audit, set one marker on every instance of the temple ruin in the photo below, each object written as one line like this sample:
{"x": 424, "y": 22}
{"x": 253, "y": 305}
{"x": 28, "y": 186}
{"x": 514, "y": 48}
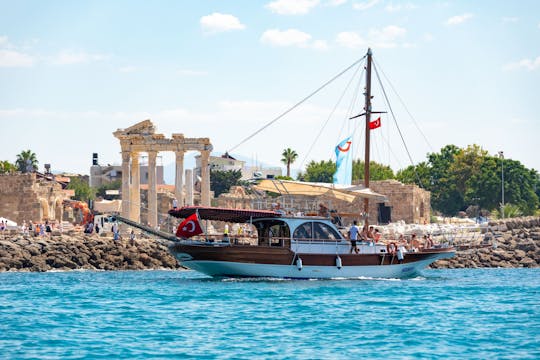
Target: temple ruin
{"x": 142, "y": 138}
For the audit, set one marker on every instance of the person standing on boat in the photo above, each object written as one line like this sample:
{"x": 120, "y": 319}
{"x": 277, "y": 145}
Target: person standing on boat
{"x": 353, "y": 236}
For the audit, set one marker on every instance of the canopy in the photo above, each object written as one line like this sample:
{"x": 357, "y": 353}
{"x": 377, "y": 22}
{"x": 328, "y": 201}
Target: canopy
{"x": 341, "y": 192}
{"x": 223, "y": 214}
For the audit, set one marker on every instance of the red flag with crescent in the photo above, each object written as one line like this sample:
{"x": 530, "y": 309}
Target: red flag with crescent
{"x": 375, "y": 124}
{"x": 189, "y": 227}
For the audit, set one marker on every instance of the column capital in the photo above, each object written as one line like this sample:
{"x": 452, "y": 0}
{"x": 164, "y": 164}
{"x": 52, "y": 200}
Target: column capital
{"x": 126, "y": 155}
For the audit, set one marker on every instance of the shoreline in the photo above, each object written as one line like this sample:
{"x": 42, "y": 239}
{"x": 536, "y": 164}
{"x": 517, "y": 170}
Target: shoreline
{"x": 517, "y": 243}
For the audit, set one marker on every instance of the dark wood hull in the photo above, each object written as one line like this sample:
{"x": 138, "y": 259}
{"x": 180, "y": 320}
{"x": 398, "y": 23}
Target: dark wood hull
{"x": 283, "y": 256}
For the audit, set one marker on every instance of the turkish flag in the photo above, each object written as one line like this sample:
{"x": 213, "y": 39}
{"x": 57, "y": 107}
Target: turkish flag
{"x": 375, "y": 124}
{"x": 189, "y": 227}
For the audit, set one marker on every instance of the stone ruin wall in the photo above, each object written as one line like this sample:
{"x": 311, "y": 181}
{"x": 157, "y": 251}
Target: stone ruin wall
{"x": 409, "y": 203}
{"x": 23, "y": 197}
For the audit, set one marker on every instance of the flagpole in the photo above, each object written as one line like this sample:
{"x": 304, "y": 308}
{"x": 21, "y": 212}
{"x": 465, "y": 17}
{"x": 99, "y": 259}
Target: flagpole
{"x": 368, "y": 119}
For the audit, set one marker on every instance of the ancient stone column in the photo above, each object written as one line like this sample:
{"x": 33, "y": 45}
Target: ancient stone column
{"x": 125, "y": 183}
{"x": 205, "y": 178}
{"x": 179, "y": 181}
{"x": 152, "y": 189}
{"x": 189, "y": 187}
{"x": 135, "y": 190}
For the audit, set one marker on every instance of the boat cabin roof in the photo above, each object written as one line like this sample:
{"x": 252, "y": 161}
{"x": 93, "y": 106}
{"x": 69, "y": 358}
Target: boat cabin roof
{"x": 223, "y": 214}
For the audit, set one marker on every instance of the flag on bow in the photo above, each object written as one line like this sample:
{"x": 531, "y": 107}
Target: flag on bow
{"x": 343, "y": 174}
{"x": 189, "y": 227}
{"x": 375, "y": 124}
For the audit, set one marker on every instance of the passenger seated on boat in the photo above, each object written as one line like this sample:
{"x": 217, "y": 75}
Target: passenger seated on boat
{"x": 323, "y": 211}
{"x": 377, "y": 235}
{"x": 429, "y": 242}
{"x": 415, "y": 244}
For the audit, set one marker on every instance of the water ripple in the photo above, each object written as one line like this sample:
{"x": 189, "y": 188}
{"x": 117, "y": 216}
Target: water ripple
{"x": 477, "y": 314}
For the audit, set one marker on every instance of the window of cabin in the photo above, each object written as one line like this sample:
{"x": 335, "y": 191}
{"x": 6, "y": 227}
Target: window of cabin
{"x": 323, "y": 231}
{"x": 303, "y": 232}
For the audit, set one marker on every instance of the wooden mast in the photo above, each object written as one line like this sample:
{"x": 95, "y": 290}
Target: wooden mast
{"x": 368, "y": 119}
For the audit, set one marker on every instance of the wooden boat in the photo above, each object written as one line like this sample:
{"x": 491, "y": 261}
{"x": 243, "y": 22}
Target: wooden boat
{"x": 297, "y": 247}
{"x": 291, "y": 247}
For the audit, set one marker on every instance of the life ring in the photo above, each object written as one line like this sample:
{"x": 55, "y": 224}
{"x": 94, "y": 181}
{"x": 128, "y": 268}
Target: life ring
{"x": 391, "y": 248}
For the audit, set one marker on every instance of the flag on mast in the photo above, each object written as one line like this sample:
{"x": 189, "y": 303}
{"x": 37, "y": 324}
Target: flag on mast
{"x": 343, "y": 174}
{"x": 189, "y": 227}
{"x": 375, "y": 124}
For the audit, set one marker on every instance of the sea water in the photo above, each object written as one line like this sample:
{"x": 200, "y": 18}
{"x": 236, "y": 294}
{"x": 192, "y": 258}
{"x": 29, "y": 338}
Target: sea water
{"x": 473, "y": 313}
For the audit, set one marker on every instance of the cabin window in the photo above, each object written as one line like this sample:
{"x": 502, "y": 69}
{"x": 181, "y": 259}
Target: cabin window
{"x": 323, "y": 231}
{"x": 303, "y": 232}
{"x": 273, "y": 233}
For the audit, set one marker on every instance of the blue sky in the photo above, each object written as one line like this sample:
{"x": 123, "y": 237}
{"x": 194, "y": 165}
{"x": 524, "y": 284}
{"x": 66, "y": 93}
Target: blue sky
{"x": 72, "y": 72}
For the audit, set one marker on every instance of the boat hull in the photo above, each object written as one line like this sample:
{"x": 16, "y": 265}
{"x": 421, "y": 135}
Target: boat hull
{"x": 254, "y": 261}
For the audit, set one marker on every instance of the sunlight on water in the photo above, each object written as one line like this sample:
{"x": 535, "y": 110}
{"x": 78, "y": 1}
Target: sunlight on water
{"x": 480, "y": 313}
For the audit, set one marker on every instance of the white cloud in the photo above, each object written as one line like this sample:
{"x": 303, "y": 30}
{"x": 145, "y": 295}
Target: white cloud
{"x": 394, "y": 8}
{"x": 509, "y": 19}
{"x": 216, "y": 22}
{"x": 459, "y": 19}
{"x": 292, "y": 37}
{"x": 70, "y": 57}
{"x": 291, "y": 7}
{"x": 386, "y": 37}
{"x": 12, "y": 58}
{"x": 335, "y": 2}
{"x": 365, "y": 5}
{"x": 529, "y": 64}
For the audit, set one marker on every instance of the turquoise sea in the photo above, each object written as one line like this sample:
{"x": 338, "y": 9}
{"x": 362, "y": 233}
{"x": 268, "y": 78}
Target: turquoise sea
{"x": 456, "y": 314}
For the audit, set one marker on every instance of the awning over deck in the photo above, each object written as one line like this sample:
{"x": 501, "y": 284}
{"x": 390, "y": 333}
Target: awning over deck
{"x": 341, "y": 192}
{"x": 223, "y": 214}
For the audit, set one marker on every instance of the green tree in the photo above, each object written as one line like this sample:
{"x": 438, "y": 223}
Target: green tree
{"x": 459, "y": 178}
{"x": 376, "y": 171}
{"x": 113, "y": 185}
{"x": 418, "y": 174}
{"x": 221, "y": 181}
{"x": 83, "y": 191}
{"x": 289, "y": 156}
{"x": 322, "y": 171}
{"x": 27, "y": 161}
{"x": 7, "y": 168}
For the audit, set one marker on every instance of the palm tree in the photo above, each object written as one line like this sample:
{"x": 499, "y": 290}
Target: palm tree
{"x": 27, "y": 161}
{"x": 7, "y": 168}
{"x": 289, "y": 156}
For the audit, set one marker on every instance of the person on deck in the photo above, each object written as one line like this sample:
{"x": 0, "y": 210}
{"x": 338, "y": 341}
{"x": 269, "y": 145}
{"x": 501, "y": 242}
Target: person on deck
{"x": 353, "y": 236}
{"x": 323, "y": 211}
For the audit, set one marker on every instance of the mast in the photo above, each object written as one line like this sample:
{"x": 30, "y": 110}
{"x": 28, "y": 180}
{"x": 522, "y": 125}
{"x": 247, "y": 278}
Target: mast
{"x": 368, "y": 119}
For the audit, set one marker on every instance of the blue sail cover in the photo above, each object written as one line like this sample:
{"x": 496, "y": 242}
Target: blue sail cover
{"x": 343, "y": 174}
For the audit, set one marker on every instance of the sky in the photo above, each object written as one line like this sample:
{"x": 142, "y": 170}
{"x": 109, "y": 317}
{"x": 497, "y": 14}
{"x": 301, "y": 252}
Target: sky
{"x": 455, "y": 72}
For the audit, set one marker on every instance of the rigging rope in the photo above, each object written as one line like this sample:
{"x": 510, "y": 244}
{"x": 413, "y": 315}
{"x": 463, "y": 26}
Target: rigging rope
{"x": 297, "y": 104}
{"x": 397, "y": 126}
{"x": 329, "y": 117}
{"x": 406, "y": 109}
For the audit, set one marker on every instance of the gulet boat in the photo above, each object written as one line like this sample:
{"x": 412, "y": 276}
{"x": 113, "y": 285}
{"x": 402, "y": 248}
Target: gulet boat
{"x": 286, "y": 246}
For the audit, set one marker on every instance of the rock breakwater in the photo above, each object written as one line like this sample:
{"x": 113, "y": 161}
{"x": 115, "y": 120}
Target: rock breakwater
{"x": 77, "y": 251}
{"x": 516, "y": 243}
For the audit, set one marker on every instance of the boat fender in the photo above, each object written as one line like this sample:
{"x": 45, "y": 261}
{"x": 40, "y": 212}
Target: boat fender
{"x": 299, "y": 264}
{"x": 338, "y": 262}
{"x": 391, "y": 248}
